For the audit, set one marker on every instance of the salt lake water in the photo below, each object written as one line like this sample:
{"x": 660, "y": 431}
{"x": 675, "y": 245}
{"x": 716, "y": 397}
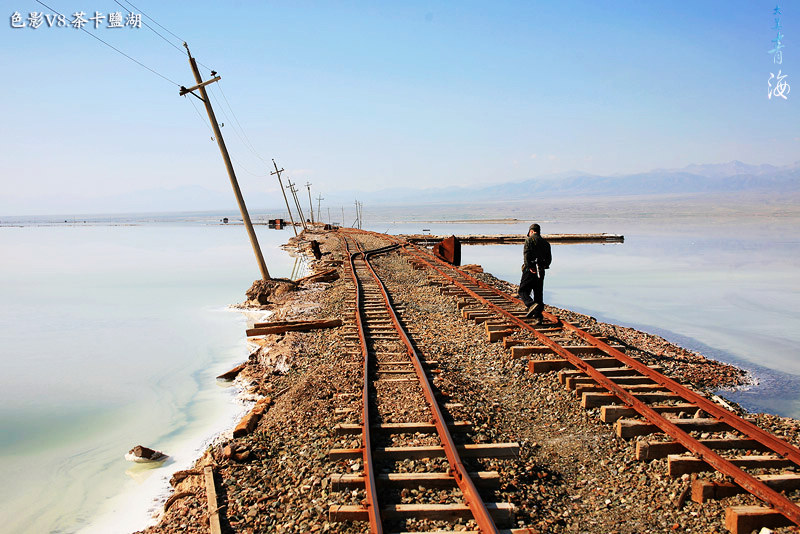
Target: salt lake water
{"x": 111, "y": 335}
{"x": 727, "y": 287}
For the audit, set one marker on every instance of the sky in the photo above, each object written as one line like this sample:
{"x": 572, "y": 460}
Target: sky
{"x": 351, "y": 95}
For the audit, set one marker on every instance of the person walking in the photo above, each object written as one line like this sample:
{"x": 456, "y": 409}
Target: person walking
{"x": 537, "y": 258}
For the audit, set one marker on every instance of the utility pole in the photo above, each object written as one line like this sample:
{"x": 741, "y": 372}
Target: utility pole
{"x": 357, "y": 221}
{"x": 343, "y": 217}
{"x": 280, "y": 183}
{"x": 297, "y": 204}
{"x": 319, "y": 213}
{"x": 225, "y": 156}
{"x": 310, "y": 205}
{"x": 329, "y": 216}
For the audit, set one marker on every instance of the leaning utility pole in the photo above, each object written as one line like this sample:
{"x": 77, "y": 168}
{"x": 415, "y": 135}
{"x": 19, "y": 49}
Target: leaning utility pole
{"x": 319, "y": 214}
{"x": 310, "y": 205}
{"x": 280, "y": 183}
{"x": 221, "y": 143}
{"x": 297, "y": 204}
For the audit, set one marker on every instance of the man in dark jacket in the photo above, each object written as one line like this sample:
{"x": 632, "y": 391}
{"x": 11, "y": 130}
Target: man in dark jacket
{"x": 537, "y": 258}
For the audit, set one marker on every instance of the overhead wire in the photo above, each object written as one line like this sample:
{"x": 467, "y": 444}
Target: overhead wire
{"x": 235, "y": 118}
{"x": 114, "y": 48}
{"x": 173, "y": 45}
{"x": 242, "y": 137}
{"x": 183, "y": 41}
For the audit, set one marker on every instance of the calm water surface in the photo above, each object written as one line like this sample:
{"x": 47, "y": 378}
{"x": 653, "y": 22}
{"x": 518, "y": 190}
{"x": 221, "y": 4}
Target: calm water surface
{"x": 729, "y": 289}
{"x": 111, "y": 336}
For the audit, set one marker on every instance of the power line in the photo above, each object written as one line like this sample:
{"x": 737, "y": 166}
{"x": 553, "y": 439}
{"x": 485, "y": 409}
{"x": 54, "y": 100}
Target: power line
{"x": 235, "y": 118}
{"x": 246, "y": 143}
{"x": 163, "y": 28}
{"x": 238, "y": 163}
{"x": 173, "y": 45}
{"x": 84, "y": 30}
{"x": 154, "y": 20}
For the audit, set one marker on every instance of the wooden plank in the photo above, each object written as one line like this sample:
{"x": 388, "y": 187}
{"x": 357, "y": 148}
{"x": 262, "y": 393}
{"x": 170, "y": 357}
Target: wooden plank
{"x": 545, "y": 366}
{"x": 502, "y": 513}
{"x": 300, "y": 327}
{"x": 574, "y": 381}
{"x": 680, "y": 465}
{"x": 476, "y": 450}
{"x": 497, "y": 335}
{"x": 609, "y": 414}
{"x": 629, "y": 428}
{"x": 520, "y": 352}
{"x": 233, "y": 373}
{"x": 745, "y": 519}
{"x": 249, "y": 422}
{"x": 607, "y": 371}
{"x": 649, "y": 450}
{"x": 581, "y": 389}
{"x": 482, "y": 479}
{"x": 403, "y": 428}
{"x": 706, "y": 490}
{"x": 211, "y": 499}
{"x": 594, "y": 399}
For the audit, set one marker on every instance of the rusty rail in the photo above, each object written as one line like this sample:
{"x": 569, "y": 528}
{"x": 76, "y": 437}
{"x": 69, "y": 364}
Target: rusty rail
{"x": 373, "y": 505}
{"x": 775, "y": 499}
{"x": 457, "y": 469}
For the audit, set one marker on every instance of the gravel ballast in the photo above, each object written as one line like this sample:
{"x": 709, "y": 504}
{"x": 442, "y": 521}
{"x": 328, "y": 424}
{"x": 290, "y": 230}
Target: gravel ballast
{"x": 573, "y": 474}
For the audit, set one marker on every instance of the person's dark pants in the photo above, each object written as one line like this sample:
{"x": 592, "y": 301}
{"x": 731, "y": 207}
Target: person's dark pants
{"x": 532, "y": 283}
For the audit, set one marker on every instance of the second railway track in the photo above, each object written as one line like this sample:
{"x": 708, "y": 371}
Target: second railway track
{"x": 639, "y": 400}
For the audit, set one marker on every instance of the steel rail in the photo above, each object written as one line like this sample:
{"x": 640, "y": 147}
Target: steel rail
{"x": 459, "y": 472}
{"x": 470, "y": 493}
{"x": 777, "y": 500}
{"x": 370, "y": 485}
{"x": 775, "y": 444}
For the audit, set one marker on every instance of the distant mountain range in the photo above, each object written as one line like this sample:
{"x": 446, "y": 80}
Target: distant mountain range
{"x": 730, "y": 177}
{"x": 734, "y": 176}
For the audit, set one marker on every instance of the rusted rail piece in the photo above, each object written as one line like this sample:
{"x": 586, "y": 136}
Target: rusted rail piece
{"x": 512, "y": 239}
{"x": 752, "y": 484}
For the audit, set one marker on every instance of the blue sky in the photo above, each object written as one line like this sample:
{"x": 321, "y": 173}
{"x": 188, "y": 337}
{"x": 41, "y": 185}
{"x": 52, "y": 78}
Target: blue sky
{"x": 372, "y": 95}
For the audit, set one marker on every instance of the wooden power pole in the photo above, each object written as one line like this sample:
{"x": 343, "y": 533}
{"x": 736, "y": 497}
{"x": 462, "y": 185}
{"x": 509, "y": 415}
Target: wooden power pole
{"x": 297, "y": 204}
{"x": 280, "y": 183}
{"x": 310, "y": 205}
{"x": 319, "y": 213}
{"x": 201, "y": 87}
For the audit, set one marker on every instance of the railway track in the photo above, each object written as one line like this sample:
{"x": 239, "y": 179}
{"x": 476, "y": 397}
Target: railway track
{"x": 401, "y": 420}
{"x": 639, "y": 400}
{"x": 695, "y": 434}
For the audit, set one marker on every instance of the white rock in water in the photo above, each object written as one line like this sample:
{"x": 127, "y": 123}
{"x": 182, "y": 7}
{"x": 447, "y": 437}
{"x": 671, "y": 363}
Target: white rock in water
{"x": 142, "y": 454}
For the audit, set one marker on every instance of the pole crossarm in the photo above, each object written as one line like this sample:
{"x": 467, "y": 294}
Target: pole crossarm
{"x": 183, "y": 90}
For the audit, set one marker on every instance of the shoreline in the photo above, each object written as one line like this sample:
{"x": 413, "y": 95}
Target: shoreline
{"x": 291, "y": 362}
